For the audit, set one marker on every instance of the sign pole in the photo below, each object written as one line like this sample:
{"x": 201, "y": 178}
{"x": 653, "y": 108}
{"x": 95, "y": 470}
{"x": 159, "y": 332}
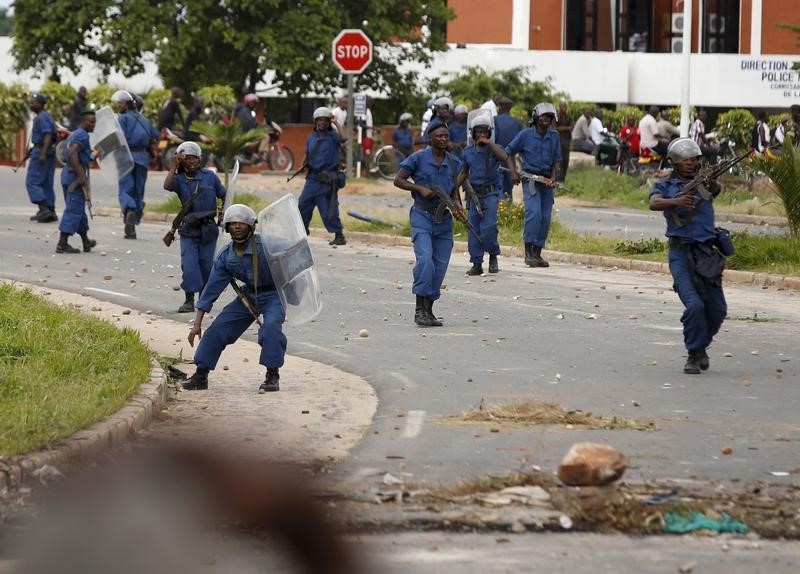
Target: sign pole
{"x": 349, "y": 127}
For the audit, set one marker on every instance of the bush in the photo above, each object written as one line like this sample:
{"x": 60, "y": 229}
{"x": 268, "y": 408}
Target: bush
{"x": 219, "y": 99}
{"x": 59, "y": 96}
{"x": 100, "y": 96}
{"x": 737, "y": 125}
{"x": 613, "y": 120}
{"x": 13, "y": 115}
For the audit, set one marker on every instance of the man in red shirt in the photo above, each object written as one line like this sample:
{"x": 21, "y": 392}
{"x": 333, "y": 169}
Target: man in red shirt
{"x": 630, "y": 133}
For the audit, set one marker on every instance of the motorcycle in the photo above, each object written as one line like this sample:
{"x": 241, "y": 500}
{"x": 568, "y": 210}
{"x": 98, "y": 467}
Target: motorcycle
{"x": 268, "y": 153}
{"x": 615, "y": 154}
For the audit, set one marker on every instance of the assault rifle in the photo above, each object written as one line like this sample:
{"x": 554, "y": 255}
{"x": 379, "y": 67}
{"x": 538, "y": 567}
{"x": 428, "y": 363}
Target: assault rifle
{"x": 537, "y": 178}
{"x": 447, "y": 203}
{"x": 711, "y": 173}
{"x": 472, "y": 197}
{"x": 87, "y": 192}
{"x": 246, "y": 301}
{"x": 298, "y": 172}
{"x": 23, "y": 160}
{"x": 169, "y": 237}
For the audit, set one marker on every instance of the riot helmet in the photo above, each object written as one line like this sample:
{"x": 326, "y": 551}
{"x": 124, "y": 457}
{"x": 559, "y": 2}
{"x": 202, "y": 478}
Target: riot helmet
{"x": 322, "y": 112}
{"x": 481, "y": 120}
{"x": 444, "y": 101}
{"x": 238, "y": 213}
{"x": 683, "y": 148}
{"x": 189, "y": 148}
{"x": 542, "y": 109}
{"x": 122, "y": 96}
{"x": 405, "y": 117}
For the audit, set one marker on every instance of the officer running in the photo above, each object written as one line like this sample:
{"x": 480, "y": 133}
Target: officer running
{"x": 75, "y": 181}
{"x": 198, "y": 229}
{"x": 694, "y": 260}
{"x": 39, "y": 180}
{"x": 244, "y": 259}
{"x": 540, "y": 146}
{"x": 322, "y": 163}
{"x": 433, "y": 240}
{"x": 481, "y": 161}
{"x": 142, "y": 138}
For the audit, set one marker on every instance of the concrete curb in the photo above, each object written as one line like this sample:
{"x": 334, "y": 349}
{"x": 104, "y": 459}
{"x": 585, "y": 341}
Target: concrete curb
{"x": 88, "y": 443}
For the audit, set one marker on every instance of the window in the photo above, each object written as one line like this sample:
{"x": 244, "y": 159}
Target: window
{"x": 721, "y": 27}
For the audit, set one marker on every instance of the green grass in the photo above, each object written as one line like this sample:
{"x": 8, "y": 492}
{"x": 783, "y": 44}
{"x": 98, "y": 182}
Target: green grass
{"x": 601, "y": 185}
{"x": 60, "y": 371}
{"x": 173, "y": 204}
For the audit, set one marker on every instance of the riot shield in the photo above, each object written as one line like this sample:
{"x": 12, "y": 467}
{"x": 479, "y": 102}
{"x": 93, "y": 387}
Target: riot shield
{"x": 290, "y": 261}
{"x": 222, "y": 238}
{"x": 482, "y": 113}
{"x": 110, "y": 146}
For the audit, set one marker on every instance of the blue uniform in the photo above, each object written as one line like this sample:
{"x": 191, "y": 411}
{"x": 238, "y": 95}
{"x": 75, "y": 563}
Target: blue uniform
{"x": 702, "y": 297}
{"x": 403, "y": 140}
{"x": 539, "y": 152}
{"x": 40, "y": 179}
{"x": 458, "y": 135}
{"x": 433, "y": 242}
{"x": 322, "y": 151}
{"x": 74, "y": 219}
{"x": 506, "y": 128}
{"x": 486, "y": 180}
{"x": 138, "y": 132}
{"x": 198, "y": 230}
{"x": 235, "y": 318}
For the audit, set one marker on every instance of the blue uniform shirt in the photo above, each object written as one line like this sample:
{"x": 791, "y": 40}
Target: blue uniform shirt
{"x": 539, "y": 152}
{"x": 211, "y": 187}
{"x": 138, "y": 132}
{"x": 701, "y": 227}
{"x": 43, "y": 124}
{"x": 506, "y": 127}
{"x": 80, "y": 137}
{"x": 483, "y": 164}
{"x": 322, "y": 151}
{"x": 458, "y": 134}
{"x": 423, "y": 169}
{"x": 403, "y": 139}
{"x": 228, "y": 265}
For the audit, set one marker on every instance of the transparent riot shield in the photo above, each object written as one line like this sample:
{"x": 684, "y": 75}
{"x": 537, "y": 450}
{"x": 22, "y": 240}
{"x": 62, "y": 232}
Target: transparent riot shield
{"x": 479, "y": 113}
{"x": 291, "y": 263}
{"x": 223, "y": 238}
{"x": 110, "y": 146}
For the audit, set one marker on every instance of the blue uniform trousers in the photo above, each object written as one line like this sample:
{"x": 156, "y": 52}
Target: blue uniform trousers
{"x": 197, "y": 259}
{"x": 433, "y": 243}
{"x": 508, "y": 186}
{"x": 131, "y": 191}
{"x": 234, "y": 320}
{"x": 486, "y": 226}
{"x": 538, "y": 213}
{"x": 703, "y": 314}
{"x": 74, "y": 219}
{"x": 318, "y": 194}
{"x": 40, "y": 179}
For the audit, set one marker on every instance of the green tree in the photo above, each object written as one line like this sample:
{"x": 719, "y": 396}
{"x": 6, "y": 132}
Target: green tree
{"x": 226, "y": 141}
{"x": 784, "y": 172}
{"x": 6, "y": 21}
{"x": 13, "y": 115}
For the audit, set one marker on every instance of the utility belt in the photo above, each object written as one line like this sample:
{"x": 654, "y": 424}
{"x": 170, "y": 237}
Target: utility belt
{"x": 484, "y": 189}
{"x": 676, "y": 243}
{"x": 427, "y": 209}
{"x": 323, "y": 176}
{"x": 437, "y": 211}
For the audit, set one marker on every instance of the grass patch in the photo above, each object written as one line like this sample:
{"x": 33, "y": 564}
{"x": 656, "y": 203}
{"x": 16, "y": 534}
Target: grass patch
{"x": 173, "y": 204}
{"x": 601, "y": 185}
{"x": 778, "y": 254}
{"x": 60, "y": 371}
{"x": 539, "y": 414}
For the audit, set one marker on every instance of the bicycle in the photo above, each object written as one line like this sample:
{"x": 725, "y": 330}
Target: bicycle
{"x": 386, "y": 161}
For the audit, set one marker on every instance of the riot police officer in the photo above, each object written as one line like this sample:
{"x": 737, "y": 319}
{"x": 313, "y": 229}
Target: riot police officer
{"x": 245, "y": 260}
{"x": 695, "y": 262}
{"x": 39, "y": 180}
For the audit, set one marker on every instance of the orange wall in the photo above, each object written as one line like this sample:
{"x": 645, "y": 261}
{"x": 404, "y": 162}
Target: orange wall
{"x": 479, "y": 22}
{"x": 545, "y": 30}
{"x": 745, "y": 25}
{"x": 776, "y": 40}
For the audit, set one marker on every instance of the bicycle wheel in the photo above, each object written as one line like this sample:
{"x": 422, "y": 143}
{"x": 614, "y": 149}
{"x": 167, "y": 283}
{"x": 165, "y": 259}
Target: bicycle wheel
{"x": 386, "y": 161}
{"x": 280, "y": 158}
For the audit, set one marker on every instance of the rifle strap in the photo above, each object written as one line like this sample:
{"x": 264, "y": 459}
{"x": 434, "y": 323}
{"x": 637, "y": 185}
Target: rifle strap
{"x": 254, "y": 245}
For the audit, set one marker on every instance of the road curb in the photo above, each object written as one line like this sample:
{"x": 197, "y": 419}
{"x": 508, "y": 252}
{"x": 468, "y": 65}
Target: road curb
{"x": 88, "y": 443}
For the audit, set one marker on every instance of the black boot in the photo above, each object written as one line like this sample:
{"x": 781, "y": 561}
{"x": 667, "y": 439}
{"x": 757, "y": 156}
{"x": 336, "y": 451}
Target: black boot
{"x": 537, "y": 252}
{"x": 198, "y": 381}
{"x": 434, "y": 322}
{"x": 87, "y": 243}
{"x": 692, "y": 366}
{"x": 702, "y": 359}
{"x": 530, "y": 258}
{"x": 476, "y": 269}
{"x": 130, "y": 224}
{"x": 421, "y": 313}
{"x": 493, "y": 268}
{"x": 270, "y": 384}
{"x": 188, "y": 304}
{"x": 63, "y": 246}
{"x": 338, "y": 239}
{"x": 42, "y": 210}
{"x": 48, "y": 215}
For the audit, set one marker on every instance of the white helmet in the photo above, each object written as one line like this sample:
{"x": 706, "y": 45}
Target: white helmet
{"x": 481, "y": 120}
{"x": 544, "y": 108}
{"x": 189, "y": 148}
{"x": 683, "y": 148}
{"x": 444, "y": 101}
{"x": 460, "y": 109}
{"x": 121, "y": 96}
{"x": 405, "y": 117}
{"x": 238, "y": 212}
{"x": 322, "y": 112}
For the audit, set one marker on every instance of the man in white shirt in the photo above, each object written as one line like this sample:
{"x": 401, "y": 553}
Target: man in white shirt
{"x": 491, "y": 104}
{"x": 648, "y": 133}
{"x": 597, "y": 132}
{"x": 581, "y": 134}
{"x": 340, "y": 113}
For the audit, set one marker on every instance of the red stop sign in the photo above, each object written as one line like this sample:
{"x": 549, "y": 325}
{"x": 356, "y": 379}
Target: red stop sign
{"x": 352, "y": 51}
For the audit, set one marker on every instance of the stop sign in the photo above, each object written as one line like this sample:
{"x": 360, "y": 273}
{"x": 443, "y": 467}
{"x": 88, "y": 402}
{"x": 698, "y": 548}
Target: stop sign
{"x": 352, "y": 51}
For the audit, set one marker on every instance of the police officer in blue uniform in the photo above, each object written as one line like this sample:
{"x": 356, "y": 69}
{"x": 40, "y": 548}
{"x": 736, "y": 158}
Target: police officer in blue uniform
{"x": 403, "y": 135}
{"x": 442, "y": 109}
{"x": 244, "y": 259}
{"x": 481, "y": 162}
{"x": 506, "y": 127}
{"x": 40, "y": 179}
{"x": 322, "y": 181}
{"x": 695, "y": 261}
{"x": 432, "y": 239}
{"x": 540, "y": 147}
{"x": 141, "y": 137}
{"x": 458, "y": 131}
{"x": 74, "y": 180}
{"x": 198, "y": 229}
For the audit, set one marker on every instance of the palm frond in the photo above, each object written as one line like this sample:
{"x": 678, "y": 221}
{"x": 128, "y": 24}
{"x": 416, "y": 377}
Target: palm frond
{"x": 784, "y": 172}
{"x": 227, "y": 140}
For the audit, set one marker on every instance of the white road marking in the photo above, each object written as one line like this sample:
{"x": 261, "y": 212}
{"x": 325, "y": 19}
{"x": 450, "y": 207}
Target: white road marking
{"x": 408, "y": 383}
{"x": 414, "y": 420}
{"x": 107, "y": 292}
{"x": 325, "y": 350}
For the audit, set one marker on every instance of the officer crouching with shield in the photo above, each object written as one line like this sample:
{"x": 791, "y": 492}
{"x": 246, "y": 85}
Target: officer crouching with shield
{"x": 244, "y": 259}
{"x": 198, "y": 229}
